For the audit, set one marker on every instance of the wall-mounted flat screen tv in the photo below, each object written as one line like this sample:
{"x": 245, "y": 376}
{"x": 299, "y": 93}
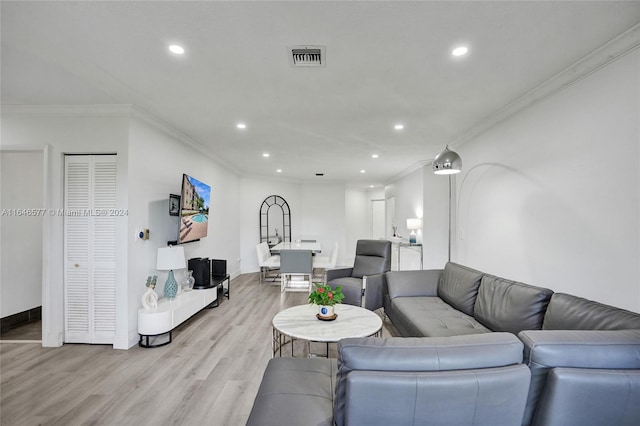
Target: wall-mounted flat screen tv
{"x": 194, "y": 209}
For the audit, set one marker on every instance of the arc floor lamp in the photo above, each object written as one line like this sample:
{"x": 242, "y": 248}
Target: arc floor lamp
{"x": 447, "y": 162}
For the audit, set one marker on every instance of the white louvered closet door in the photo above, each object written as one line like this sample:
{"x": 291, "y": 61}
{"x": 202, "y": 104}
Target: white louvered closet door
{"x": 90, "y": 248}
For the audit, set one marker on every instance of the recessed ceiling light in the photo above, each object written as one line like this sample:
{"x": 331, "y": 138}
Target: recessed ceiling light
{"x": 399, "y": 126}
{"x": 241, "y": 126}
{"x": 371, "y": 186}
{"x": 363, "y": 171}
{"x": 178, "y": 50}
{"x": 374, "y": 156}
{"x": 266, "y": 154}
{"x": 279, "y": 171}
{"x": 460, "y": 51}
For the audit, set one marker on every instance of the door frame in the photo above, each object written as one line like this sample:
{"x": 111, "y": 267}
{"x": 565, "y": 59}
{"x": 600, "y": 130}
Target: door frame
{"x": 46, "y": 226}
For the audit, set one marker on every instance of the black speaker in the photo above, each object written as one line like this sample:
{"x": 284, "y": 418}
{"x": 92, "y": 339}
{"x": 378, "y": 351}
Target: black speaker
{"x": 218, "y": 267}
{"x": 201, "y": 272}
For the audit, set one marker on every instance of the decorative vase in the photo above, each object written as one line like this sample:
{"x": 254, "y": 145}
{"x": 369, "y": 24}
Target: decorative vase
{"x": 189, "y": 281}
{"x": 326, "y": 312}
{"x": 171, "y": 286}
{"x": 150, "y": 299}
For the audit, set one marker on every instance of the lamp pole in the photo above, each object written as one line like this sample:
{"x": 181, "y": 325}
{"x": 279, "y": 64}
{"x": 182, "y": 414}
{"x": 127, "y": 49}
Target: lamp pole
{"x": 449, "y": 257}
{"x": 447, "y": 163}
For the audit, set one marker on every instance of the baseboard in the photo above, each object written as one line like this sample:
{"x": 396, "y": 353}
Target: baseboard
{"x": 52, "y": 340}
{"x": 21, "y": 318}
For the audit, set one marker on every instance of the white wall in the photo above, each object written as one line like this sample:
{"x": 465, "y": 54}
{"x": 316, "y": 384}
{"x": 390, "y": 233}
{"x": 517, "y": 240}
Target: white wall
{"x": 317, "y": 211}
{"x": 253, "y": 192}
{"x": 157, "y": 162}
{"x": 408, "y": 200}
{"x": 358, "y": 222}
{"x": 551, "y": 197}
{"x": 435, "y": 224}
{"x": 424, "y": 195}
{"x": 60, "y": 130}
{"x": 21, "y": 234}
{"x": 322, "y": 216}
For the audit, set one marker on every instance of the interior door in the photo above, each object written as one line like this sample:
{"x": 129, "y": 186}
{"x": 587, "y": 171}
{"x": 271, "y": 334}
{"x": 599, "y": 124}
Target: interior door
{"x": 90, "y": 248}
{"x": 378, "y": 219}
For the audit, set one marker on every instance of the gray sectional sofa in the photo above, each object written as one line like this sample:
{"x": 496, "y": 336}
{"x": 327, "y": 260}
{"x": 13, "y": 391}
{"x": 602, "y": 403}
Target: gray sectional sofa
{"x": 460, "y": 326}
{"x": 461, "y": 380}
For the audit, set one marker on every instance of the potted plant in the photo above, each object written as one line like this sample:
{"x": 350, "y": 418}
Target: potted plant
{"x": 326, "y": 298}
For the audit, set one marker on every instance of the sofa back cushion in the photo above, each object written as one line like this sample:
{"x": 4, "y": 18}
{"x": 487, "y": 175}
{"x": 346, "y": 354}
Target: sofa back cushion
{"x": 494, "y": 396}
{"x": 372, "y": 257}
{"x": 391, "y": 358}
{"x": 567, "y": 312}
{"x": 584, "y": 350}
{"x": 504, "y": 305}
{"x": 459, "y": 287}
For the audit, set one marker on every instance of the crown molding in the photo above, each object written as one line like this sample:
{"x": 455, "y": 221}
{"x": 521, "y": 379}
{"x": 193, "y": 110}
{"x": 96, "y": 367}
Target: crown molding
{"x": 611, "y": 51}
{"x": 412, "y": 168}
{"x": 160, "y": 125}
{"x": 123, "y": 110}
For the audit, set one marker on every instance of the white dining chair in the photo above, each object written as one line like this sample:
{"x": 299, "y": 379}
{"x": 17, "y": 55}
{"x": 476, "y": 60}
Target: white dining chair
{"x": 266, "y": 261}
{"x": 326, "y": 262}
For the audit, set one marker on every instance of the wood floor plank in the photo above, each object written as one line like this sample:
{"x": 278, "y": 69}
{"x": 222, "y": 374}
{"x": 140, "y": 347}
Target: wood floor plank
{"x": 208, "y": 375}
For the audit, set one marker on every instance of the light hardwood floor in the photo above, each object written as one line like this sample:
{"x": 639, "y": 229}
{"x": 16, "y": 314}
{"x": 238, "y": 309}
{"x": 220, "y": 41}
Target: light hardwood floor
{"x": 209, "y": 375}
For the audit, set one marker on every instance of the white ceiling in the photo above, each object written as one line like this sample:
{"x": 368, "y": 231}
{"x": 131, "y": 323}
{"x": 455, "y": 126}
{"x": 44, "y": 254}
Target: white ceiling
{"x": 386, "y": 62}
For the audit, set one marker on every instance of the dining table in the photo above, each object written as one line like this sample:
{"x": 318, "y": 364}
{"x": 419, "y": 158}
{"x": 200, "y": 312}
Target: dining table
{"x": 315, "y": 247}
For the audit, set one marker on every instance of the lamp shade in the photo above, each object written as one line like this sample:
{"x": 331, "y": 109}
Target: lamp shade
{"x": 170, "y": 258}
{"x": 414, "y": 223}
{"x": 447, "y": 163}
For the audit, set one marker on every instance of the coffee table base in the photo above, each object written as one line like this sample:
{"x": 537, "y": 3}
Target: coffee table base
{"x": 280, "y": 340}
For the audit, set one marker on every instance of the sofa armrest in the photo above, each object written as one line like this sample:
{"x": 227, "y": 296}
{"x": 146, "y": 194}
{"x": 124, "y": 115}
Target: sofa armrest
{"x": 333, "y": 274}
{"x": 582, "y": 348}
{"x": 373, "y": 285}
{"x": 413, "y": 283}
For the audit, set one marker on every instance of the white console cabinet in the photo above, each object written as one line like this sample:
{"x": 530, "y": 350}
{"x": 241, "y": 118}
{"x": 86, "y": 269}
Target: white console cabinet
{"x": 170, "y": 313}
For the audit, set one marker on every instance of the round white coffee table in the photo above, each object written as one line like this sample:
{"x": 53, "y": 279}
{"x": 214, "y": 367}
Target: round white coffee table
{"x": 300, "y": 322}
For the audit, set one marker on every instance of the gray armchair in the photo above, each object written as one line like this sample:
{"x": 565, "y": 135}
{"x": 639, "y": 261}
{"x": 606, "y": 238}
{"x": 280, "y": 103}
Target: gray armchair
{"x": 362, "y": 285}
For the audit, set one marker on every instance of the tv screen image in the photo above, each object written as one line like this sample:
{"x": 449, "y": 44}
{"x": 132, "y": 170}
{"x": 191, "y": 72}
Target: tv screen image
{"x": 194, "y": 209}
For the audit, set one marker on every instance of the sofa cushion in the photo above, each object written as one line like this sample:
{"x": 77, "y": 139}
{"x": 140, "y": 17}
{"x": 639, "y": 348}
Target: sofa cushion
{"x": 294, "y": 390}
{"x": 459, "y": 286}
{"x": 412, "y": 283}
{"x": 432, "y": 317}
{"x": 504, "y": 305}
{"x": 390, "y": 360}
{"x": 575, "y": 396}
{"x": 488, "y": 396}
{"x": 566, "y": 312}
{"x": 588, "y": 350}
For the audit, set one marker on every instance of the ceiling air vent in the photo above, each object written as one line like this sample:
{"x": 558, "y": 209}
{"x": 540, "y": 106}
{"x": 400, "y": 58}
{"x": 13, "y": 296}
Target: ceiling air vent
{"x": 306, "y": 56}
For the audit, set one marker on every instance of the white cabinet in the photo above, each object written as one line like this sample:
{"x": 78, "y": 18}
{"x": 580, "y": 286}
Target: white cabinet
{"x": 170, "y": 313}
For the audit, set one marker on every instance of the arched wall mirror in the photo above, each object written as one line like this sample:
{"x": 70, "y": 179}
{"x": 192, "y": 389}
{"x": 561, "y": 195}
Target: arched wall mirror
{"x": 275, "y": 220}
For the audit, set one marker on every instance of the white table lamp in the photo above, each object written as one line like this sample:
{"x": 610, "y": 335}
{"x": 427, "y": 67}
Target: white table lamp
{"x": 412, "y": 225}
{"x": 170, "y": 258}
